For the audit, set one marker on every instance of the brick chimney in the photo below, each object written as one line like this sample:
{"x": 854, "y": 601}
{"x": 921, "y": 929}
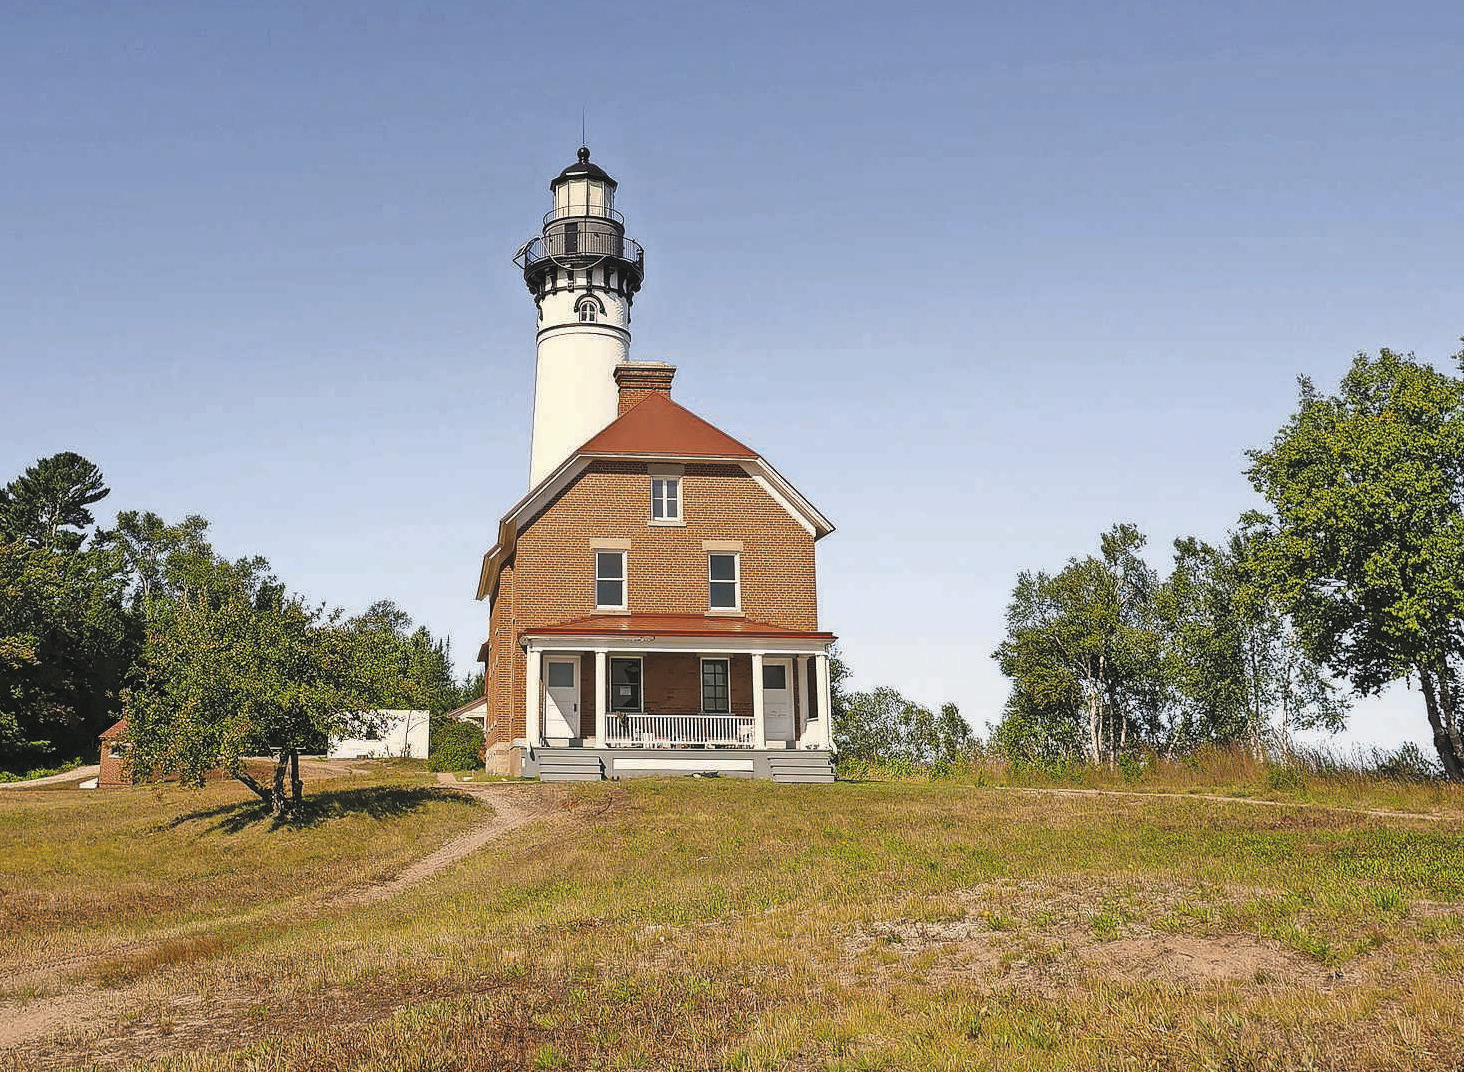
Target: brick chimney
{"x": 636, "y": 379}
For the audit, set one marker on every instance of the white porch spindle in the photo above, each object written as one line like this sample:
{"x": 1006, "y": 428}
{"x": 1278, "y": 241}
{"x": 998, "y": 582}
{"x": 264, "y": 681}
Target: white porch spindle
{"x": 825, "y": 711}
{"x": 597, "y": 738}
{"x": 759, "y": 719}
{"x": 533, "y": 701}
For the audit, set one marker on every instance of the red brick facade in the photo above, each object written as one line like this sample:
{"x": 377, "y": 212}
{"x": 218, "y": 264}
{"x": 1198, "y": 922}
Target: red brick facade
{"x": 114, "y": 763}
{"x": 550, "y": 577}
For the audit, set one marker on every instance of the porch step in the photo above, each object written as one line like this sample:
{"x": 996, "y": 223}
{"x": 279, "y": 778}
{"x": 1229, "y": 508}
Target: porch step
{"x": 801, "y": 767}
{"x": 569, "y": 765}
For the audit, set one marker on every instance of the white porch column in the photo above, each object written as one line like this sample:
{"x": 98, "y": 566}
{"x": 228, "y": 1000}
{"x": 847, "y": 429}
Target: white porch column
{"x": 825, "y": 710}
{"x": 801, "y": 677}
{"x": 759, "y": 719}
{"x": 597, "y": 740}
{"x": 533, "y": 699}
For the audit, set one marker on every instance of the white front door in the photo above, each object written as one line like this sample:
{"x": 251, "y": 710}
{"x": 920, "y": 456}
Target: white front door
{"x": 777, "y": 689}
{"x": 561, "y": 704}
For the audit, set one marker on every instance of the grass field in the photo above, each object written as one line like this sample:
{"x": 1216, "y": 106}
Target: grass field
{"x": 716, "y": 923}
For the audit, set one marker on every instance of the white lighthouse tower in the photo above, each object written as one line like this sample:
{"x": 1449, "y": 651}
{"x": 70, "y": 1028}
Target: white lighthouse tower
{"x": 583, "y": 273}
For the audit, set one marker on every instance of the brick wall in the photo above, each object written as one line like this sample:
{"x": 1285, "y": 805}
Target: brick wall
{"x": 550, "y": 578}
{"x": 114, "y": 765}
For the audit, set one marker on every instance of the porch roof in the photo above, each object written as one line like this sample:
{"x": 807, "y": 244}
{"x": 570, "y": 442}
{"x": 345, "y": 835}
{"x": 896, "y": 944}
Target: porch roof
{"x": 673, "y": 625}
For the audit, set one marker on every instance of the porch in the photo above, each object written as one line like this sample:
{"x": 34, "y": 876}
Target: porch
{"x": 577, "y": 763}
{"x": 671, "y": 695}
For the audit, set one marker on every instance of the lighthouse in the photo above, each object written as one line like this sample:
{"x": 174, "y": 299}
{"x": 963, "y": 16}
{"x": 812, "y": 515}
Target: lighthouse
{"x": 583, "y": 273}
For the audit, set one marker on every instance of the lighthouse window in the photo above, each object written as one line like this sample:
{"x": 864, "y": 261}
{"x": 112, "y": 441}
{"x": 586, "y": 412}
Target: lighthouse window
{"x": 589, "y": 310}
{"x": 665, "y": 499}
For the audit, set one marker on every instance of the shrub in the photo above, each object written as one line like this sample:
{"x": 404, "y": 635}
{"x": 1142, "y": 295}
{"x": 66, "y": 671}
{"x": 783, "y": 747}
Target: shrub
{"x": 456, "y": 746}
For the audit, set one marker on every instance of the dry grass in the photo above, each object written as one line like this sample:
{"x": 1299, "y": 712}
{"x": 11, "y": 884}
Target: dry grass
{"x": 83, "y": 868}
{"x": 726, "y": 924}
{"x": 1359, "y": 780}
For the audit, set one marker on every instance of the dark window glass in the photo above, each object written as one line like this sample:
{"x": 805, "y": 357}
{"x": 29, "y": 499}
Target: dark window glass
{"x": 775, "y": 676}
{"x": 625, "y": 685}
{"x": 610, "y": 578}
{"x": 722, "y": 582}
{"x": 561, "y": 675}
{"x": 571, "y": 239}
{"x": 715, "y": 695}
{"x": 665, "y": 499}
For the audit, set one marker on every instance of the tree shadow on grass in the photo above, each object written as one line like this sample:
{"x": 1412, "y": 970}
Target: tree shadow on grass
{"x": 319, "y": 808}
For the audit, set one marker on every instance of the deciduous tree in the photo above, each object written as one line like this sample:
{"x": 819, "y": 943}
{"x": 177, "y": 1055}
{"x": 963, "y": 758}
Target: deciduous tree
{"x": 1366, "y": 543}
{"x": 1083, "y": 648}
{"x": 1239, "y": 669}
{"x": 233, "y": 667}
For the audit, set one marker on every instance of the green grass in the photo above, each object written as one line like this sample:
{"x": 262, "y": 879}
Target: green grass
{"x": 743, "y": 925}
{"x": 87, "y": 867}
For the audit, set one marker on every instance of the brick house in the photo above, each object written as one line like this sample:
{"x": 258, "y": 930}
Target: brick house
{"x": 653, "y": 597}
{"x": 114, "y": 764}
{"x": 638, "y": 594}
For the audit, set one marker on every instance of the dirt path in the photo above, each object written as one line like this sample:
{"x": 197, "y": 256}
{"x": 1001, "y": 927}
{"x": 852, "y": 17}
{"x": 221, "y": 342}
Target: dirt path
{"x": 514, "y": 805}
{"x": 82, "y": 1004}
{"x": 76, "y": 774}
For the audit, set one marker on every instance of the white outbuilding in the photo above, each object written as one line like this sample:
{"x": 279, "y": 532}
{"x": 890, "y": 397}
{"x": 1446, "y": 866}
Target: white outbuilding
{"x": 396, "y": 734}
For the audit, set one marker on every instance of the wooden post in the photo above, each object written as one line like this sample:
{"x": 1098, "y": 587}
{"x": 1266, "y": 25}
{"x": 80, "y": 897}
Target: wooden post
{"x": 597, "y": 738}
{"x": 533, "y": 701}
{"x": 825, "y": 709}
{"x": 759, "y": 720}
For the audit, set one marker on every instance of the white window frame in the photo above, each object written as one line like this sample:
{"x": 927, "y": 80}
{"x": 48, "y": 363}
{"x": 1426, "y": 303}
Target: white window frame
{"x": 735, "y": 582}
{"x": 588, "y": 310}
{"x": 624, "y": 579}
{"x": 660, "y": 500}
{"x": 610, "y": 708}
{"x": 701, "y": 682}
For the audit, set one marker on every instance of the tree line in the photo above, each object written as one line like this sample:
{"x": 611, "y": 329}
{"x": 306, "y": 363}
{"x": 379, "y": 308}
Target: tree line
{"x": 1353, "y": 580}
{"x": 210, "y": 659}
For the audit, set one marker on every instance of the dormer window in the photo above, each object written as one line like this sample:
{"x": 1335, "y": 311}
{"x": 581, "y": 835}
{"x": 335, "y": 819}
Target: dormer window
{"x": 665, "y": 499}
{"x": 589, "y": 310}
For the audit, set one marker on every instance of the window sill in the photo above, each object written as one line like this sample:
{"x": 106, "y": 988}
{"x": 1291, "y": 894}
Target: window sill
{"x": 612, "y": 610}
{"x": 657, "y": 523}
{"x": 725, "y": 612}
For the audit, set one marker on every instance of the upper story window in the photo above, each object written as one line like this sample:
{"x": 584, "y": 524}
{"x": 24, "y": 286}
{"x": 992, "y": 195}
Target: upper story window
{"x": 589, "y": 310}
{"x": 610, "y": 580}
{"x": 724, "y": 581}
{"x": 665, "y": 498}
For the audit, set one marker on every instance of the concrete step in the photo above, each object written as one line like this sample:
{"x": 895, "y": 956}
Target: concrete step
{"x": 805, "y": 768}
{"x": 570, "y": 767}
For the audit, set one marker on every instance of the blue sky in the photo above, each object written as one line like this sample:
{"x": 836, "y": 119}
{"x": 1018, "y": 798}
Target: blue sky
{"x": 982, "y": 279}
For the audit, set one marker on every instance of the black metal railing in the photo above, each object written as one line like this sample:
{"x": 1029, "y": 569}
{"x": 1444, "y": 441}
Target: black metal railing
{"x": 594, "y": 212}
{"x": 573, "y": 244}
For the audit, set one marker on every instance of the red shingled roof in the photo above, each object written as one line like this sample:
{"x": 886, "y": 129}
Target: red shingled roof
{"x": 657, "y": 425}
{"x": 117, "y": 729}
{"x": 673, "y": 625}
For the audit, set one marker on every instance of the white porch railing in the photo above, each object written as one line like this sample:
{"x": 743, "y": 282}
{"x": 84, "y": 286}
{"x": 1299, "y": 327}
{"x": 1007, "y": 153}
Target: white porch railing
{"x": 670, "y": 731}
